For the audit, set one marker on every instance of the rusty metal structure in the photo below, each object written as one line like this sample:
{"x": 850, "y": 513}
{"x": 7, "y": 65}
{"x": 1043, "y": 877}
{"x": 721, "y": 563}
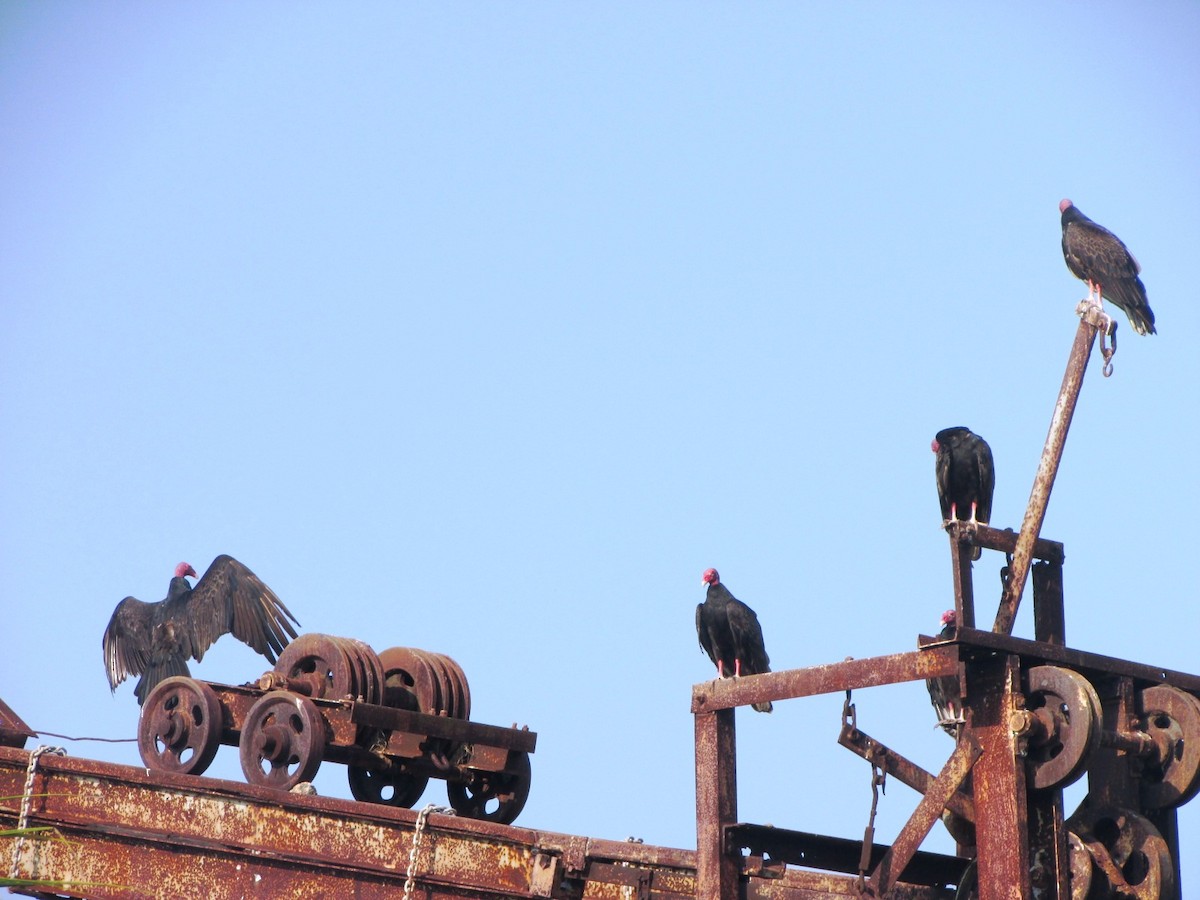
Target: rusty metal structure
{"x": 1037, "y": 715}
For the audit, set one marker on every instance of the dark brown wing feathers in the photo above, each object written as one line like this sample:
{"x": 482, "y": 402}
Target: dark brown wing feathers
{"x": 1096, "y": 255}
{"x": 127, "y": 640}
{"x": 230, "y": 599}
{"x": 155, "y": 640}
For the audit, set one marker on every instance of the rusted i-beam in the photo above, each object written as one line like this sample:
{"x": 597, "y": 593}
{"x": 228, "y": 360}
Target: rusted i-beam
{"x": 1091, "y": 322}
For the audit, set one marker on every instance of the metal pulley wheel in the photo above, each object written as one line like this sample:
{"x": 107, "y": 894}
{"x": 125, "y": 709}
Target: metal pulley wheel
{"x": 333, "y": 668}
{"x": 1067, "y": 709}
{"x": 392, "y": 788}
{"x": 1172, "y": 719}
{"x": 283, "y": 741}
{"x": 180, "y": 726}
{"x": 426, "y": 682}
{"x": 493, "y": 796}
{"x": 1126, "y": 851}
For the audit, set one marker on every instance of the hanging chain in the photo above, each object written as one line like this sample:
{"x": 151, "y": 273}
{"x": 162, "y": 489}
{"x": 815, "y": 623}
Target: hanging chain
{"x": 878, "y": 785}
{"x": 410, "y": 876}
{"x": 26, "y": 803}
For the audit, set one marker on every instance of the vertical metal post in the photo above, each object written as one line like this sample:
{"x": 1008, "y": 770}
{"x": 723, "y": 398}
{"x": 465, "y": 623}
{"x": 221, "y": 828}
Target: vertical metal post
{"x": 717, "y": 871}
{"x": 1048, "y": 848}
{"x": 1049, "y": 618}
{"x": 1090, "y": 324}
{"x": 1001, "y": 819}
{"x": 964, "y": 587}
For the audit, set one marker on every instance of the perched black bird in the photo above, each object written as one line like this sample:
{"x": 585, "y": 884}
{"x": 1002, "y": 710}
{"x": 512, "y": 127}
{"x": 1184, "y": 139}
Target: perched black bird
{"x": 729, "y": 632}
{"x": 965, "y": 476}
{"x": 943, "y": 691}
{"x": 1096, "y": 255}
{"x": 155, "y": 640}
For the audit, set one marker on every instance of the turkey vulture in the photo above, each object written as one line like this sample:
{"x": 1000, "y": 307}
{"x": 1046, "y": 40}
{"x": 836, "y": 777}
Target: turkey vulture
{"x": 1096, "y": 255}
{"x": 943, "y": 691}
{"x": 965, "y": 477}
{"x": 729, "y": 631}
{"x": 155, "y": 640}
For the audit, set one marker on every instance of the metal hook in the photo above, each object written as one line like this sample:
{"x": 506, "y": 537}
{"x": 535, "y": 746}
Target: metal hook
{"x": 1105, "y": 351}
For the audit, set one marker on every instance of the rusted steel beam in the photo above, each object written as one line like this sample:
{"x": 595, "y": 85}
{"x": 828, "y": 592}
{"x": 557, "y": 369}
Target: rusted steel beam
{"x": 1090, "y": 324}
{"x": 458, "y": 730}
{"x": 177, "y": 835}
{"x": 717, "y": 870}
{"x": 1004, "y": 540}
{"x": 998, "y": 780}
{"x": 902, "y": 769}
{"x": 726, "y": 693}
{"x": 895, "y": 861}
{"x": 818, "y": 851}
{"x": 138, "y": 835}
{"x": 974, "y": 642}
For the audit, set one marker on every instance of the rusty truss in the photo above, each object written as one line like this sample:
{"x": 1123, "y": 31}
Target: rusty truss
{"x": 1037, "y": 716}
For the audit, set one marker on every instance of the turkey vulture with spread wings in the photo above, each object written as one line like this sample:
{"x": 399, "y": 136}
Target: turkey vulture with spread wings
{"x": 943, "y": 691}
{"x": 729, "y": 632}
{"x": 966, "y": 479}
{"x": 155, "y": 640}
{"x": 1096, "y": 255}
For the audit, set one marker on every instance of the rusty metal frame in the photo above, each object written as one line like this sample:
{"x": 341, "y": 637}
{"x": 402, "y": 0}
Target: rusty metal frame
{"x": 1021, "y": 839}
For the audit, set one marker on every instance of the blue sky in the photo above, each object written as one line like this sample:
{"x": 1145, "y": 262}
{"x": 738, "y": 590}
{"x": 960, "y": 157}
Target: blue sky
{"x": 487, "y": 328}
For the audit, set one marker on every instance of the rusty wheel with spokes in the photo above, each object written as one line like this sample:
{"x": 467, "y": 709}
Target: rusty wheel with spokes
{"x": 1172, "y": 719}
{"x": 493, "y": 796}
{"x": 1068, "y": 710}
{"x": 283, "y": 741}
{"x": 180, "y": 726}
{"x": 390, "y": 788}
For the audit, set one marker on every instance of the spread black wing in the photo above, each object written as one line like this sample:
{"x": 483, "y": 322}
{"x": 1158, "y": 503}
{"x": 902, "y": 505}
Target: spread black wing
{"x": 230, "y": 599}
{"x": 155, "y": 640}
{"x": 127, "y": 640}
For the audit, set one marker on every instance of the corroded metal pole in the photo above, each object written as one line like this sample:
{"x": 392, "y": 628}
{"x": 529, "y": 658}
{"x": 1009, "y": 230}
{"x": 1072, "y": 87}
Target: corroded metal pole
{"x": 717, "y": 870}
{"x": 1091, "y": 322}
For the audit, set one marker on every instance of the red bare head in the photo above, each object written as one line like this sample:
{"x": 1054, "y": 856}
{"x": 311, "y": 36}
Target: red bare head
{"x": 711, "y": 577}
{"x": 934, "y": 445}
{"x": 1064, "y": 205}
{"x": 949, "y": 619}
{"x": 184, "y": 570}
